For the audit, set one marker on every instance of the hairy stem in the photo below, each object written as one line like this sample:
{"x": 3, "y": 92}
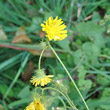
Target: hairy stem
{"x": 70, "y": 103}
{"x": 41, "y": 57}
{"x": 68, "y": 74}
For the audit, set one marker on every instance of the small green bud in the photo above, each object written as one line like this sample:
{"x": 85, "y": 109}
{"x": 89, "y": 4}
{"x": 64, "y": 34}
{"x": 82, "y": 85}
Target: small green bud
{"x": 43, "y": 44}
{"x": 58, "y": 84}
{"x": 40, "y": 72}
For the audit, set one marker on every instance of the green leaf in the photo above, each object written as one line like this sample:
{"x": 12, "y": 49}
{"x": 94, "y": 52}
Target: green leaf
{"x": 96, "y": 17}
{"x": 84, "y": 84}
{"x": 106, "y": 92}
{"x": 19, "y": 102}
{"x": 99, "y": 103}
{"x": 65, "y": 45}
{"x": 93, "y": 31}
{"x": 91, "y": 52}
{"x": 77, "y": 56}
{"x": 102, "y": 80}
{"x": 25, "y": 92}
{"x": 35, "y": 25}
{"x": 3, "y": 89}
{"x": 82, "y": 73}
{"x": 89, "y": 29}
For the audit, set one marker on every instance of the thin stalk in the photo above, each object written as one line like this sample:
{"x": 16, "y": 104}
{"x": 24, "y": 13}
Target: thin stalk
{"x": 41, "y": 57}
{"x": 62, "y": 102}
{"x": 73, "y": 107}
{"x": 68, "y": 74}
{"x": 69, "y": 99}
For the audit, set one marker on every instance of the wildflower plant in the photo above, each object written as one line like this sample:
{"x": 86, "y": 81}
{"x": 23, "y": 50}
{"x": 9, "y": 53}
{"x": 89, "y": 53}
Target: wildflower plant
{"x": 55, "y": 30}
{"x": 41, "y": 78}
{"x": 36, "y": 105}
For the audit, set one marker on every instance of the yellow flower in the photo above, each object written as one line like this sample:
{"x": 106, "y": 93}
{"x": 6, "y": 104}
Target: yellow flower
{"x": 42, "y": 81}
{"x": 41, "y": 78}
{"x": 54, "y": 29}
{"x": 36, "y": 105}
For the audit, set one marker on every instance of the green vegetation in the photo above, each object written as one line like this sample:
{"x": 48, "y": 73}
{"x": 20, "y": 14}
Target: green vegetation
{"x": 85, "y": 53}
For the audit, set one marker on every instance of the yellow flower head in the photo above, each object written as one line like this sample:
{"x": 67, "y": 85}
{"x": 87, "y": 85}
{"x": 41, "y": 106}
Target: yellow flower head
{"x": 54, "y": 29}
{"x": 36, "y": 105}
{"x": 41, "y": 78}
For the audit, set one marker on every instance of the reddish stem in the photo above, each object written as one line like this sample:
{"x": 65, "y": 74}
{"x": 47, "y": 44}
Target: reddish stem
{"x": 13, "y": 47}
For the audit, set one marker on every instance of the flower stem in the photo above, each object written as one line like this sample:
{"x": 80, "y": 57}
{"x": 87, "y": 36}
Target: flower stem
{"x": 39, "y": 63}
{"x": 68, "y": 75}
{"x": 73, "y": 107}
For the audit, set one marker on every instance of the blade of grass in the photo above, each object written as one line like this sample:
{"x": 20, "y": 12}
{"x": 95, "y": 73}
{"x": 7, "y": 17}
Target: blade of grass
{"x": 5, "y": 105}
{"x": 10, "y": 62}
{"x": 18, "y": 74}
{"x": 19, "y": 102}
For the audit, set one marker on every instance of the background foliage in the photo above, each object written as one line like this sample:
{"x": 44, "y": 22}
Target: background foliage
{"x": 86, "y": 51}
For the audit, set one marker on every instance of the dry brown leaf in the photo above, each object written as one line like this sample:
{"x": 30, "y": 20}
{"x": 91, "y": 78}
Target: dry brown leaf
{"x": 28, "y": 73}
{"x": 47, "y": 53}
{"x": 88, "y": 17}
{"x": 21, "y": 36}
{"x": 42, "y": 34}
{"x": 2, "y": 34}
{"x": 79, "y": 10}
{"x": 1, "y": 107}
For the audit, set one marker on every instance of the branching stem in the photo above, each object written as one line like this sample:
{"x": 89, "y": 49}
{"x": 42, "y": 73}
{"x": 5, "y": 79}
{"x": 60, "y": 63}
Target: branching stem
{"x": 68, "y": 74}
